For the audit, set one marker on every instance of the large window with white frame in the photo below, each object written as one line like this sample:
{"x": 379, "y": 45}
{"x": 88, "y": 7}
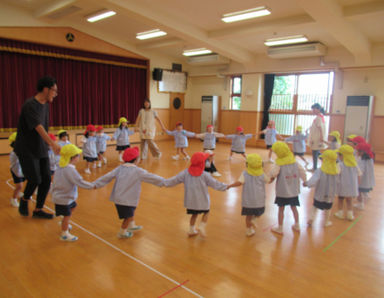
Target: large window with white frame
{"x": 235, "y": 96}
{"x": 292, "y": 98}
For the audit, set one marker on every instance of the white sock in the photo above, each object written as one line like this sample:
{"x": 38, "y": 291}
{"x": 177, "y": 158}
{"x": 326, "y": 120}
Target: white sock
{"x": 192, "y": 229}
{"x": 327, "y": 215}
{"x": 64, "y": 232}
{"x": 132, "y": 224}
{"x": 123, "y": 231}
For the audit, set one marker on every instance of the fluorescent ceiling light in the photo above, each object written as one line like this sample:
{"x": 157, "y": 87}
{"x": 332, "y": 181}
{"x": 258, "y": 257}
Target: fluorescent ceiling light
{"x": 100, "y": 15}
{"x": 196, "y": 52}
{"x": 285, "y": 40}
{"x": 150, "y": 34}
{"x": 245, "y": 14}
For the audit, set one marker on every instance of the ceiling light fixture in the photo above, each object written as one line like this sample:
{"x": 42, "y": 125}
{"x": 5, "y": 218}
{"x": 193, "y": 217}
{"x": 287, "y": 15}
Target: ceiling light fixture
{"x": 285, "y": 40}
{"x": 100, "y": 15}
{"x": 150, "y": 34}
{"x": 245, "y": 14}
{"x": 196, "y": 52}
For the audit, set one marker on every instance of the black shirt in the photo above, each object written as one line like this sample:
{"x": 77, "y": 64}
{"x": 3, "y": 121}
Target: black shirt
{"x": 28, "y": 140}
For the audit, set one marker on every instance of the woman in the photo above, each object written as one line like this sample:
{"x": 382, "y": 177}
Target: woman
{"x": 317, "y": 134}
{"x": 147, "y": 127}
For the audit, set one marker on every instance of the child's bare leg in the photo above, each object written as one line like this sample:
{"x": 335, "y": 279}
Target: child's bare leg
{"x": 312, "y": 215}
{"x": 203, "y": 223}
{"x": 243, "y": 154}
{"x": 248, "y": 221}
{"x": 18, "y": 188}
{"x": 296, "y": 226}
{"x": 303, "y": 159}
{"x": 340, "y": 206}
{"x": 327, "y": 222}
{"x": 184, "y": 153}
{"x": 270, "y": 154}
{"x": 279, "y": 229}
{"x": 192, "y": 223}
{"x": 126, "y": 222}
{"x": 230, "y": 154}
{"x": 349, "y": 209}
{"x": 124, "y": 233}
{"x": 65, "y": 223}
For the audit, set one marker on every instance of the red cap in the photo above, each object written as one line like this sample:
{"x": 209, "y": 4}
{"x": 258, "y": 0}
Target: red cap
{"x": 358, "y": 140}
{"x": 239, "y": 128}
{"x": 179, "y": 123}
{"x": 365, "y": 147}
{"x": 52, "y": 136}
{"x": 209, "y": 126}
{"x": 90, "y": 127}
{"x": 99, "y": 128}
{"x": 131, "y": 153}
{"x": 197, "y": 163}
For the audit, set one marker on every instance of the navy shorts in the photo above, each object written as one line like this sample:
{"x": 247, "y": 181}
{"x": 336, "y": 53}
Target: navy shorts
{"x": 322, "y": 205}
{"x": 238, "y": 152}
{"x": 90, "y": 159}
{"x": 281, "y": 202}
{"x": 125, "y": 211}
{"x": 17, "y": 179}
{"x": 298, "y": 153}
{"x": 269, "y": 146}
{"x": 64, "y": 210}
{"x": 194, "y": 211}
{"x": 122, "y": 148}
{"x": 361, "y": 189}
{"x": 101, "y": 152}
{"x": 252, "y": 211}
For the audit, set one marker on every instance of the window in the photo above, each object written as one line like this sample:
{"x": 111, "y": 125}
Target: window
{"x": 235, "y": 103}
{"x": 292, "y": 98}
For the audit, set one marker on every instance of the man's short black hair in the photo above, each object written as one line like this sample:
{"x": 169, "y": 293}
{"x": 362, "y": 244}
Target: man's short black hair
{"x": 46, "y": 81}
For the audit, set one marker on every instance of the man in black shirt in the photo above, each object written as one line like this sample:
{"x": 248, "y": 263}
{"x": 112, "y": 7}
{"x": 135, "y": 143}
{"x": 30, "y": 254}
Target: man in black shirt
{"x": 31, "y": 146}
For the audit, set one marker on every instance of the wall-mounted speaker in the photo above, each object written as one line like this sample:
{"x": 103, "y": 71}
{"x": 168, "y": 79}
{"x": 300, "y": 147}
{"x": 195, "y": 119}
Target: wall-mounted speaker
{"x": 177, "y": 67}
{"x": 157, "y": 74}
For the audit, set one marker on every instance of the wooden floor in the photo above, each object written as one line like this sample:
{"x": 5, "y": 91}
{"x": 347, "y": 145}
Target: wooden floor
{"x": 35, "y": 263}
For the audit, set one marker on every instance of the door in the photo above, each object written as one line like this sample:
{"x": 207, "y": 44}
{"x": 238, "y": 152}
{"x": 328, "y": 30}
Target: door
{"x": 176, "y": 108}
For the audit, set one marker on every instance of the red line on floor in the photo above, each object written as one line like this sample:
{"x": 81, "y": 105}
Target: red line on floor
{"x": 178, "y": 286}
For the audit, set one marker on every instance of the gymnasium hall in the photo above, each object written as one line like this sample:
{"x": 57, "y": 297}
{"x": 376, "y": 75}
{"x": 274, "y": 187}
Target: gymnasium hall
{"x": 240, "y": 68}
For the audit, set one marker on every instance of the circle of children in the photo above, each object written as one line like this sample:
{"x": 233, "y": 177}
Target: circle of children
{"x": 346, "y": 171}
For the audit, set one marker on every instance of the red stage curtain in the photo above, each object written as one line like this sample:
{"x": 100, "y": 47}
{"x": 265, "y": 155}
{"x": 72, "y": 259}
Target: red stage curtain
{"x": 88, "y": 92}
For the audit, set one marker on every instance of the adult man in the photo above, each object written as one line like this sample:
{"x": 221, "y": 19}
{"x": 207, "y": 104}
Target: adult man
{"x": 31, "y": 146}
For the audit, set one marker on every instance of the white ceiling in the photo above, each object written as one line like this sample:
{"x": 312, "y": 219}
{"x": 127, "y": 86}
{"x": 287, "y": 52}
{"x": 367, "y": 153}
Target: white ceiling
{"x": 354, "y": 24}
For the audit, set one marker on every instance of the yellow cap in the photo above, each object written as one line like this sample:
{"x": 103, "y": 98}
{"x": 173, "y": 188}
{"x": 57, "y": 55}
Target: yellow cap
{"x": 348, "y": 157}
{"x": 121, "y": 120}
{"x": 335, "y": 134}
{"x": 66, "y": 153}
{"x": 61, "y": 131}
{"x": 254, "y": 165}
{"x": 350, "y": 137}
{"x": 299, "y": 128}
{"x": 12, "y": 138}
{"x": 329, "y": 162}
{"x": 284, "y": 154}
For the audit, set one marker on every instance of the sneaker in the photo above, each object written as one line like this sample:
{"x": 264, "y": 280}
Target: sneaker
{"x": 99, "y": 164}
{"x": 192, "y": 233}
{"x": 296, "y": 227}
{"x": 216, "y": 174}
{"x": 328, "y": 223}
{"x": 125, "y": 235}
{"x": 350, "y": 215}
{"x": 68, "y": 237}
{"x": 277, "y": 230}
{"x": 21, "y": 194}
{"x": 250, "y": 232}
{"x": 187, "y": 157}
{"x": 202, "y": 231}
{"x": 87, "y": 171}
{"x": 14, "y": 202}
{"x": 23, "y": 208}
{"x": 175, "y": 157}
{"x": 159, "y": 156}
{"x": 42, "y": 214}
{"x": 105, "y": 160}
{"x": 94, "y": 165}
{"x": 339, "y": 214}
{"x": 135, "y": 228}
{"x": 359, "y": 205}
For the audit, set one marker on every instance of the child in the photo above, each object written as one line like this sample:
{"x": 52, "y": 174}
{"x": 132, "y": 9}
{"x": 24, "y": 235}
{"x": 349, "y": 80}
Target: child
{"x": 349, "y": 184}
{"x": 298, "y": 141}
{"x": 288, "y": 172}
{"x": 334, "y": 140}
{"x": 101, "y": 144}
{"x": 253, "y": 194}
{"x": 181, "y": 140}
{"x": 52, "y": 156}
{"x": 209, "y": 165}
{"x": 209, "y": 138}
{"x": 196, "y": 196}
{"x": 367, "y": 180}
{"x": 326, "y": 183}
{"x": 126, "y": 190}
{"x": 238, "y": 142}
{"x": 270, "y": 134}
{"x": 89, "y": 148}
{"x": 63, "y": 140}
{"x": 350, "y": 138}
{"x": 16, "y": 172}
{"x": 121, "y": 136}
{"x": 64, "y": 191}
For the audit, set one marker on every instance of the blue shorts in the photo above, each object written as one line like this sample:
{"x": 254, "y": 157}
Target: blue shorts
{"x": 64, "y": 210}
{"x": 125, "y": 211}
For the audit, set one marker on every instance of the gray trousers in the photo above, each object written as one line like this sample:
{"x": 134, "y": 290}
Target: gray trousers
{"x": 145, "y": 143}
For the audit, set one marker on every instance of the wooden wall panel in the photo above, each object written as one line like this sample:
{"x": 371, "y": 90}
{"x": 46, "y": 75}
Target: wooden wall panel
{"x": 337, "y": 123}
{"x": 192, "y": 120}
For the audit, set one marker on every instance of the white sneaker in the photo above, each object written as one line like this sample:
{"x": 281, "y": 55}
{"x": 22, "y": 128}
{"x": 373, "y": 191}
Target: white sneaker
{"x": 216, "y": 174}
{"x": 192, "y": 233}
{"x": 175, "y": 157}
{"x": 87, "y": 171}
{"x": 339, "y": 214}
{"x": 125, "y": 235}
{"x": 359, "y": 205}
{"x": 15, "y": 202}
{"x": 105, "y": 160}
{"x": 94, "y": 165}
{"x": 21, "y": 194}
{"x": 350, "y": 215}
{"x": 328, "y": 223}
{"x": 296, "y": 227}
{"x": 99, "y": 164}
{"x": 187, "y": 157}
{"x": 278, "y": 230}
{"x": 121, "y": 159}
{"x": 202, "y": 231}
{"x": 159, "y": 156}
{"x": 250, "y": 232}
{"x": 66, "y": 236}
{"x": 135, "y": 228}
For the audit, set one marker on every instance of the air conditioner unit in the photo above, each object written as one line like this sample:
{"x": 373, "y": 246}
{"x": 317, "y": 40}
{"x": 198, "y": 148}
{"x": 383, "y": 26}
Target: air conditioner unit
{"x": 309, "y": 49}
{"x": 213, "y": 59}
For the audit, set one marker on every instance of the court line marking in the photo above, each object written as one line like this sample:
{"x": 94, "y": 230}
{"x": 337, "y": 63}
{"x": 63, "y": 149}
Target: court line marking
{"x": 171, "y": 290}
{"x": 123, "y": 252}
{"x": 342, "y": 234}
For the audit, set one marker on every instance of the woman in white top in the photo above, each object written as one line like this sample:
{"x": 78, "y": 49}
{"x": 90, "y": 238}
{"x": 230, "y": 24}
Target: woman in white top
{"x": 317, "y": 134}
{"x": 147, "y": 127}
